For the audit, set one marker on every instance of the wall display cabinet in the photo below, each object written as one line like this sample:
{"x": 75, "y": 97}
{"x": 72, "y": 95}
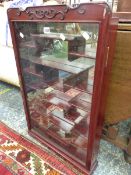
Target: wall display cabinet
{"x": 63, "y": 56}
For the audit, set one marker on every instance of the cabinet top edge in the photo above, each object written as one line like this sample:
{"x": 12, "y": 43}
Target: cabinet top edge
{"x": 91, "y": 11}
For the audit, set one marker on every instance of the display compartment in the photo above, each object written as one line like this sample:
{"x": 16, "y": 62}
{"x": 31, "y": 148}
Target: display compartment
{"x": 61, "y": 66}
{"x": 56, "y": 84}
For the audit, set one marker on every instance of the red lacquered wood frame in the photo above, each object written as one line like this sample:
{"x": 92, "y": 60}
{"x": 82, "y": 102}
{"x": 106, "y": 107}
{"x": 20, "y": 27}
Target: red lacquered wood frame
{"x": 93, "y": 13}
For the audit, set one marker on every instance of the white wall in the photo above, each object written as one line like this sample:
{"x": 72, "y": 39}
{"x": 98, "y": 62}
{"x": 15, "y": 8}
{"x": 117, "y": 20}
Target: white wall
{"x": 82, "y": 1}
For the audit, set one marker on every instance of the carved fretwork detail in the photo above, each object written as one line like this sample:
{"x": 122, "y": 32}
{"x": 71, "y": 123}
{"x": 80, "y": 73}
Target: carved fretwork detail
{"x": 81, "y": 11}
{"x": 49, "y": 13}
{"x": 18, "y": 12}
{"x": 40, "y": 14}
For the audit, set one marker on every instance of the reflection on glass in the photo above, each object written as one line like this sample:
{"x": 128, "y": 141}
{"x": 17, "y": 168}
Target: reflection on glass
{"x": 58, "y": 61}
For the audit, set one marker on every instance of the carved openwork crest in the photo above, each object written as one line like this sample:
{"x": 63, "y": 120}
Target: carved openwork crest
{"x": 50, "y": 13}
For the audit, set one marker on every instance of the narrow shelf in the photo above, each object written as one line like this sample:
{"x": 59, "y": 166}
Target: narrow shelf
{"x": 64, "y": 101}
{"x": 84, "y": 105}
{"x": 62, "y": 127}
{"x": 61, "y": 116}
{"x": 59, "y": 102}
{"x": 90, "y": 89}
{"x": 59, "y": 121}
{"x": 33, "y": 72}
{"x": 54, "y": 132}
{"x": 50, "y": 133}
{"x": 35, "y": 86}
{"x": 56, "y": 65}
{"x": 73, "y": 94}
{"x": 82, "y": 127}
{"x": 66, "y": 96}
{"x": 29, "y": 44}
{"x": 71, "y": 117}
{"x": 74, "y": 147}
{"x": 56, "y": 136}
{"x": 70, "y": 63}
{"x": 71, "y": 67}
{"x": 67, "y": 121}
{"x": 68, "y": 37}
{"x": 85, "y": 97}
{"x": 60, "y": 66}
{"x": 59, "y": 86}
{"x": 81, "y": 55}
{"x": 61, "y": 95}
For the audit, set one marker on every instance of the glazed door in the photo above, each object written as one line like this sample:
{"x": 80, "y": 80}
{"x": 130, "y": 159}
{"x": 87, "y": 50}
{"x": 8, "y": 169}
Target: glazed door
{"x": 58, "y": 66}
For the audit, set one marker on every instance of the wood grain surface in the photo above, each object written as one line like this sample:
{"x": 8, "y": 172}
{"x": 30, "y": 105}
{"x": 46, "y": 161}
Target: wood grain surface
{"x": 119, "y": 97}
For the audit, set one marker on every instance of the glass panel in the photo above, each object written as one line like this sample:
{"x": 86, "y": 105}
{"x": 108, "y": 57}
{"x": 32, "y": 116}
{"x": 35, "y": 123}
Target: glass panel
{"x": 58, "y": 61}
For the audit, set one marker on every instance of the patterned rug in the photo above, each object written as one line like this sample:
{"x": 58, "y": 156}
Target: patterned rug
{"x": 18, "y": 156}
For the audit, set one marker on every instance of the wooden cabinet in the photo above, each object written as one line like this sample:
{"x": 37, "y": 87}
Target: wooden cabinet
{"x": 62, "y": 55}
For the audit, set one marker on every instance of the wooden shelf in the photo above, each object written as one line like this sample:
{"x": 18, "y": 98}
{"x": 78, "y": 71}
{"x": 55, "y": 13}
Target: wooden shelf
{"x": 62, "y": 113}
{"x": 65, "y": 120}
{"x": 60, "y": 66}
{"x": 35, "y": 86}
{"x": 71, "y": 67}
{"x": 59, "y": 102}
{"x": 69, "y": 63}
{"x": 57, "y": 65}
{"x": 60, "y": 124}
{"x": 60, "y": 95}
{"x": 64, "y": 88}
{"x": 29, "y": 44}
{"x": 33, "y": 72}
{"x": 85, "y": 97}
{"x": 71, "y": 117}
{"x": 82, "y": 127}
{"x": 90, "y": 89}
{"x": 86, "y": 106}
{"x": 63, "y": 100}
{"x": 81, "y": 55}
{"x": 66, "y": 96}
{"x": 53, "y": 131}
{"x": 68, "y": 37}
